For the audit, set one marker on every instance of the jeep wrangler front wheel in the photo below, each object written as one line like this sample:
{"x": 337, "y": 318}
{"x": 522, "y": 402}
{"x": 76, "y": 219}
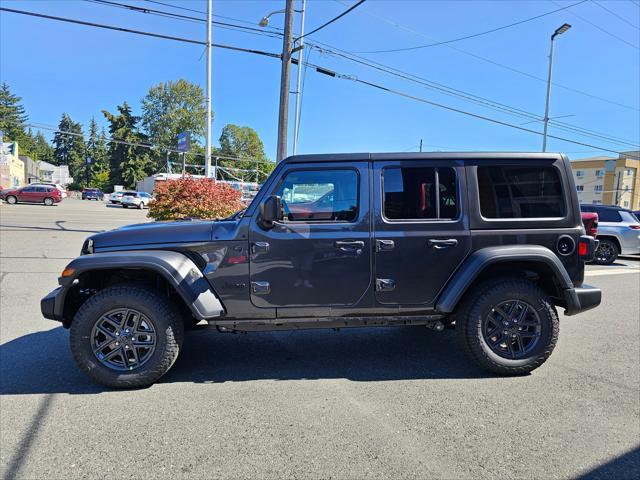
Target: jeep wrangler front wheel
{"x": 508, "y": 326}
{"x": 126, "y": 336}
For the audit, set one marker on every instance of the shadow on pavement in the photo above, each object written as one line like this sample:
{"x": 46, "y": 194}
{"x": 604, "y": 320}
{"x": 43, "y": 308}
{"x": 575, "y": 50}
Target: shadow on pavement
{"x": 626, "y": 466}
{"x": 42, "y": 362}
{"x": 373, "y": 354}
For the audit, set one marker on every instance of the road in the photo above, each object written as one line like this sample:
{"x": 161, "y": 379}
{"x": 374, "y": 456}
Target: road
{"x": 372, "y": 403}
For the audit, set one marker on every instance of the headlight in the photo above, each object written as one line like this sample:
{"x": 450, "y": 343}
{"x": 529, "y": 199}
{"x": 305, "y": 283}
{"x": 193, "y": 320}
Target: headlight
{"x": 87, "y": 247}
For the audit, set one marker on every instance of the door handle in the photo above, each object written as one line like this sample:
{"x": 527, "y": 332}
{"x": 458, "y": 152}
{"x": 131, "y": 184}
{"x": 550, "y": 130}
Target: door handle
{"x": 350, "y": 246}
{"x": 259, "y": 247}
{"x": 442, "y": 244}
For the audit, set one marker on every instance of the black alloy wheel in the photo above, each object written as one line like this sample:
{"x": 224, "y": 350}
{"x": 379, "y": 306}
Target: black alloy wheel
{"x": 123, "y": 339}
{"x": 512, "y": 329}
{"x": 606, "y": 253}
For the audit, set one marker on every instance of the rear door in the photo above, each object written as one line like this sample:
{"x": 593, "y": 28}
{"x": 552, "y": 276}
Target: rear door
{"x": 420, "y": 234}
{"x": 320, "y": 254}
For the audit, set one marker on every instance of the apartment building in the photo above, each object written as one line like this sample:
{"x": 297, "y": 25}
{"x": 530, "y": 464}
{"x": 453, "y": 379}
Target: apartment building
{"x": 609, "y": 180}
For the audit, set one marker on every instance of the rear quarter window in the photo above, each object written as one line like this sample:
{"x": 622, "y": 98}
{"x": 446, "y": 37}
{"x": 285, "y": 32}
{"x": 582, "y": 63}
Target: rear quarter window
{"x": 516, "y": 191}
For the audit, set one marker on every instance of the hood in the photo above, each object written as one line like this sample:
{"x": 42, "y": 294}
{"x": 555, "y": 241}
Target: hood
{"x": 163, "y": 233}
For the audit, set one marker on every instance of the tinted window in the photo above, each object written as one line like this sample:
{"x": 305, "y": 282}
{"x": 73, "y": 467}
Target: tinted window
{"x": 608, "y": 215}
{"x": 520, "y": 192}
{"x": 414, "y": 193}
{"x": 41, "y": 189}
{"x": 320, "y": 195}
{"x": 130, "y": 194}
{"x": 29, "y": 189}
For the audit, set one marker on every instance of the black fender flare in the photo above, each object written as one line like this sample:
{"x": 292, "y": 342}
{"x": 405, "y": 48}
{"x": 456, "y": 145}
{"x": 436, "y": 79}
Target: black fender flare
{"x": 177, "y": 269}
{"x": 480, "y": 259}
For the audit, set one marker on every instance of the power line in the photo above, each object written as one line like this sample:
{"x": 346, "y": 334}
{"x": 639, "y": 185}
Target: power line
{"x": 139, "y": 32}
{"x": 447, "y": 90}
{"x": 604, "y": 30}
{"x": 320, "y": 70}
{"x": 471, "y": 97}
{"x": 352, "y": 7}
{"x": 188, "y": 18}
{"x": 619, "y": 17}
{"x": 494, "y": 62}
{"x": 331, "y": 73}
{"x": 44, "y": 126}
{"x": 474, "y": 35}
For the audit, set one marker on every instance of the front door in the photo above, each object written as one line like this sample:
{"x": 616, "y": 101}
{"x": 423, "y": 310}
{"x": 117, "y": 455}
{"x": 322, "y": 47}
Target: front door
{"x": 320, "y": 254}
{"x": 28, "y": 194}
{"x": 420, "y": 236}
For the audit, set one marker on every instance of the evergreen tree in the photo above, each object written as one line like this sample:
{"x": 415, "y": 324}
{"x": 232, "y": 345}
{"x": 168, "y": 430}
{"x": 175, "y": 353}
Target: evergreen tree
{"x": 42, "y": 149}
{"x": 70, "y": 148}
{"x": 12, "y": 115}
{"x": 127, "y": 163}
{"x": 97, "y": 152}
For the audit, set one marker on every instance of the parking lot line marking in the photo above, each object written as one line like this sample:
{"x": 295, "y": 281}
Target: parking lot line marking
{"x": 599, "y": 273}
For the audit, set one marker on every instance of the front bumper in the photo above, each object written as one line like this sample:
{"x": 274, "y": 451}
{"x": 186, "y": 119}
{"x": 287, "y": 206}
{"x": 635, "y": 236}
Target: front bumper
{"x": 581, "y": 299}
{"x": 52, "y": 306}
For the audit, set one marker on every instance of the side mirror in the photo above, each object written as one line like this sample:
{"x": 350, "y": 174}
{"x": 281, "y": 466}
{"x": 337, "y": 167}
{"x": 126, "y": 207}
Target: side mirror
{"x": 270, "y": 211}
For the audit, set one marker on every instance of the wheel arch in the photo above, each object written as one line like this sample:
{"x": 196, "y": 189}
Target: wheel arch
{"x": 611, "y": 238}
{"x": 533, "y": 262}
{"x": 170, "y": 272}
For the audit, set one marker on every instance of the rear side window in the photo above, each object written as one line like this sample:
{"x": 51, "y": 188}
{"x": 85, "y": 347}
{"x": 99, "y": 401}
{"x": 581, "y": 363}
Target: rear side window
{"x": 608, "y": 215}
{"x": 419, "y": 193}
{"x": 510, "y": 191}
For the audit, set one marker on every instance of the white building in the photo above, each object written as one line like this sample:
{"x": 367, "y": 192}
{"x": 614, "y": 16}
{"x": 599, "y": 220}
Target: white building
{"x": 58, "y": 174}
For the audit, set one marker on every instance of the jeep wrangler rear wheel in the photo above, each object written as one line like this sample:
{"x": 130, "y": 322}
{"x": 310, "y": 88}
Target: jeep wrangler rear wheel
{"x": 126, "y": 336}
{"x": 508, "y": 326}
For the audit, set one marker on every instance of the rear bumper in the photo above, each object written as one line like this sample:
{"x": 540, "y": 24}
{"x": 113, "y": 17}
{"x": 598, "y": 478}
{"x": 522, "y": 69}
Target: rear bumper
{"x": 581, "y": 299}
{"x": 52, "y": 306}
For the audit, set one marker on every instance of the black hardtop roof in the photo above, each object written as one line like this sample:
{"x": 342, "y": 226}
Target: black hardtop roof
{"x": 353, "y": 157}
{"x": 605, "y": 207}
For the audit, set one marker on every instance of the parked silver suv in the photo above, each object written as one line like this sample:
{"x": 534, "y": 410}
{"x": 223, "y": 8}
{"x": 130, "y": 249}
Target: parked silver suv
{"x": 618, "y": 232}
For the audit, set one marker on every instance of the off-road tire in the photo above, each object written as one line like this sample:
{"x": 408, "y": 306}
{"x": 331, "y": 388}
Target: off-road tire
{"x": 11, "y": 200}
{"x": 159, "y": 310}
{"x": 479, "y": 303}
{"x": 48, "y": 201}
{"x": 612, "y": 252}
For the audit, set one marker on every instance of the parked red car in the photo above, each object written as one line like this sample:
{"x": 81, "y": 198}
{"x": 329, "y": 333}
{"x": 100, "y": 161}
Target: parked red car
{"x": 32, "y": 194}
{"x": 590, "y": 222}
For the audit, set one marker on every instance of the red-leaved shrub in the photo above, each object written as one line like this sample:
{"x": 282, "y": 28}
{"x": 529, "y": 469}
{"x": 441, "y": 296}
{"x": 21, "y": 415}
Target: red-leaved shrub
{"x": 190, "y": 197}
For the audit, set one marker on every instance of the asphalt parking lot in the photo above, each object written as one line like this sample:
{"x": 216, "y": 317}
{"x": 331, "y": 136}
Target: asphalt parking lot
{"x": 373, "y": 403}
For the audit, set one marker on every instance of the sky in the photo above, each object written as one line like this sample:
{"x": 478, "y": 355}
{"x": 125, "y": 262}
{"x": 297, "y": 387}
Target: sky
{"x": 59, "y": 67}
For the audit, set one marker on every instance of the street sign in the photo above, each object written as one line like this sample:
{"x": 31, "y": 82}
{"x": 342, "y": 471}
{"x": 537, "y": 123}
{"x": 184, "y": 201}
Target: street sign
{"x": 184, "y": 142}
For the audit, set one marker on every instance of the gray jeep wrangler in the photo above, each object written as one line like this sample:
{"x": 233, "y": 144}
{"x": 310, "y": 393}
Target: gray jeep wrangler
{"x": 492, "y": 243}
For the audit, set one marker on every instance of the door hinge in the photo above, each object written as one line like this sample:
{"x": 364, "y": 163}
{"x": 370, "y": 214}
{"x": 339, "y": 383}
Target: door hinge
{"x": 385, "y": 284}
{"x": 259, "y": 247}
{"x": 260, "y": 288}
{"x": 384, "y": 245}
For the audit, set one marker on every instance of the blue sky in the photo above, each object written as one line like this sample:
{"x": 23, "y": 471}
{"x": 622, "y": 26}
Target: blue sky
{"x": 58, "y": 67}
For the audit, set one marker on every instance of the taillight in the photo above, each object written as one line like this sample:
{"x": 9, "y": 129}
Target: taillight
{"x": 586, "y": 248}
{"x": 583, "y": 249}
{"x": 634, "y": 227}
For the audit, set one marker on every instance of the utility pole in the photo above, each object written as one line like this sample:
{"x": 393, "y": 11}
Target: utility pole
{"x": 559, "y": 31}
{"x": 420, "y": 145}
{"x": 207, "y": 155}
{"x": 296, "y": 120}
{"x": 283, "y": 113}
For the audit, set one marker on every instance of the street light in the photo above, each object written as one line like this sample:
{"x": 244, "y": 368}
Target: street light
{"x": 283, "y": 110}
{"x": 265, "y": 20}
{"x": 559, "y": 31}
